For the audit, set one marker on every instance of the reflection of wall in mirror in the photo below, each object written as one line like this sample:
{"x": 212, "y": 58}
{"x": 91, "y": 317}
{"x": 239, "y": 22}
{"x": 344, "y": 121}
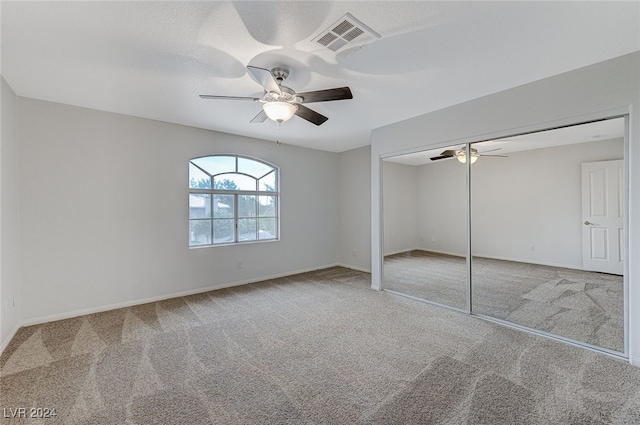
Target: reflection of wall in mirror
{"x": 531, "y": 198}
{"x": 400, "y": 207}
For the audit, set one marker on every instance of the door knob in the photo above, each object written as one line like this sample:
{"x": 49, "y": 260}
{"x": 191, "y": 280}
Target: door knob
{"x": 588, "y": 223}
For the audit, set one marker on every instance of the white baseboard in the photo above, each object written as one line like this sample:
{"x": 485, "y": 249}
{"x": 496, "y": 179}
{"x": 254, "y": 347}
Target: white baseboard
{"x": 435, "y": 251}
{"x": 356, "y": 268}
{"x": 528, "y": 261}
{"x": 404, "y": 251}
{"x": 515, "y": 260}
{"x": 635, "y": 361}
{"x": 6, "y": 342}
{"x": 453, "y": 254}
{"x": 68, "y": 315}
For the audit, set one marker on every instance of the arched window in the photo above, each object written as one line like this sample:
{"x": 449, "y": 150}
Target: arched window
{"x": 232, "y": 199}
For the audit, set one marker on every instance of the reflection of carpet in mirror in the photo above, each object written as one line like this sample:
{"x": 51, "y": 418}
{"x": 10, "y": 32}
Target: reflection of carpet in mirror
{"x": 583, "y": 306}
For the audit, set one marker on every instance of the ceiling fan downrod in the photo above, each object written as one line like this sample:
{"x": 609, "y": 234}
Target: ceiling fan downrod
{"x": 280, "y": 74}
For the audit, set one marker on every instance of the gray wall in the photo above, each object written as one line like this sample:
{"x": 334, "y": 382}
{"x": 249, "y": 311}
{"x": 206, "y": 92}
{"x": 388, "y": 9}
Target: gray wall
{"x": 400, "y": 203}
{"x": 354, "y": 188}
{"x": 529, "y": 198}
{"x": 10, "y": 293}
{"x": 442, "y": 207}
{"x": 534, "y": 198}
{"x": 105, "y": 215}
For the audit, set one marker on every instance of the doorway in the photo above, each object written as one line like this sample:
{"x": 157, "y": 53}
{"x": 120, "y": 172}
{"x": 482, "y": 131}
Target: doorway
{"x": 603, "y": 215}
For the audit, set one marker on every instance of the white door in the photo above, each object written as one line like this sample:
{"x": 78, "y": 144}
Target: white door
{"x": 602, "y": 216}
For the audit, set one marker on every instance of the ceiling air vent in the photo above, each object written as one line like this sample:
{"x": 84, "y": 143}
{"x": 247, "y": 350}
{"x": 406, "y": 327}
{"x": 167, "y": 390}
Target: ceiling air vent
{"x": 346, "y": 31}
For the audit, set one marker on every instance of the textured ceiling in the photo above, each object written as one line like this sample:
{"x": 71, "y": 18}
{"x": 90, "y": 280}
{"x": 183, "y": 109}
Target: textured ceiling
{"x": 153, "y": 59}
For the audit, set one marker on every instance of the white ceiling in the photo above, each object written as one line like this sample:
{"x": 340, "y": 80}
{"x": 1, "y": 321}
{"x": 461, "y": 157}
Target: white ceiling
{"x": 152, "y": 59}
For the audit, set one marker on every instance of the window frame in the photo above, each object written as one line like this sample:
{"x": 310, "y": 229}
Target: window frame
{"x": 237, "y": 194}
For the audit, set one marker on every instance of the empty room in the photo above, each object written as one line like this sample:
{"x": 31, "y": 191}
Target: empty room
{"x": 320, "y": 212}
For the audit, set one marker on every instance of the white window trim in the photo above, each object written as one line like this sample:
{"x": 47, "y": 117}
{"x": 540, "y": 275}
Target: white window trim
{"x": 236, "y": 193}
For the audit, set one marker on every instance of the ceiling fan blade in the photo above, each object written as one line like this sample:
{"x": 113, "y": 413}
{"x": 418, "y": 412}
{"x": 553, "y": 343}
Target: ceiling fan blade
{"x": 340, "y": 93}
{"x": 310, "y": 115}
{"x": 449, "y": 153}
{"x": 495, "y": 156}
{"x": 209, "y": 96}
{"x": 261, "y": 117}
{"x": 265, "y": 78}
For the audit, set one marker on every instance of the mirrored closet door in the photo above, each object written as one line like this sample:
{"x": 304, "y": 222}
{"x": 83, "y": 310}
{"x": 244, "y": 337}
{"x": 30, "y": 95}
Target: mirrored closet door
{"x": 424, "y": 198}
{"x": 547, "y": 232}
{"x": 545, "y": 245}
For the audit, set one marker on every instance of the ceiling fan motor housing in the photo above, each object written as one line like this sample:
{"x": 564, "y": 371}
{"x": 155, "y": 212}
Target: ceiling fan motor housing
{"x": 287, "y": 95}
{"x": 280, "y": 74}
{"x": 278, "y": 99}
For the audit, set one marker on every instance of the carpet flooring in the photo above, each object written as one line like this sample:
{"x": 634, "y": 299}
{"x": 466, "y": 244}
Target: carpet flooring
{"x": 314, "y": 348}
{"x": 579, "y": 305}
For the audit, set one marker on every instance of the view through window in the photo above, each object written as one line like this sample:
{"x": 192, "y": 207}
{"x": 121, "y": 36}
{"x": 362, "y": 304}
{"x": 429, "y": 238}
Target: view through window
{"x": 232, "y": 199}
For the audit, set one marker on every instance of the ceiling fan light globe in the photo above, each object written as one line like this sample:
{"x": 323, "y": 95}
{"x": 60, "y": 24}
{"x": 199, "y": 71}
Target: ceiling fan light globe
{"x": 462, "y": 157}
{"x": 279, "y": 111}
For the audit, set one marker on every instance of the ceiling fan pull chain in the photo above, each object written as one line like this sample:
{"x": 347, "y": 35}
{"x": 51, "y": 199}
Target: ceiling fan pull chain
{"x": 278, "y": 138}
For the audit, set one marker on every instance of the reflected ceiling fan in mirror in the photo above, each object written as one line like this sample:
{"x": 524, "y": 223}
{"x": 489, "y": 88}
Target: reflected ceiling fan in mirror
{"x": 280, "y": 103}
{"x": 461, "y": 154}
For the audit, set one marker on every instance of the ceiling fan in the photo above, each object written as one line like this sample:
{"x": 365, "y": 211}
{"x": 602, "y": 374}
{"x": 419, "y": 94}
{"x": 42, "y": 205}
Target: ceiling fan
{"x": 461, "y": 154}
{"x": 281, "y": 103}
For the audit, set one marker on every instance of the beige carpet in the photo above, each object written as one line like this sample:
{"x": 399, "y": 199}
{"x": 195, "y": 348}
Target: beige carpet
{"x": 315, "y": 348}
{"x": 583, "y": 306}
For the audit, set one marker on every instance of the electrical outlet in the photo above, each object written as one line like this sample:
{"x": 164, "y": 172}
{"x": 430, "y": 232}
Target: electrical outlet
{"x": 239, "y": 265}
{"x": 532, "y": 247}
{"x": 355, "y": 252}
